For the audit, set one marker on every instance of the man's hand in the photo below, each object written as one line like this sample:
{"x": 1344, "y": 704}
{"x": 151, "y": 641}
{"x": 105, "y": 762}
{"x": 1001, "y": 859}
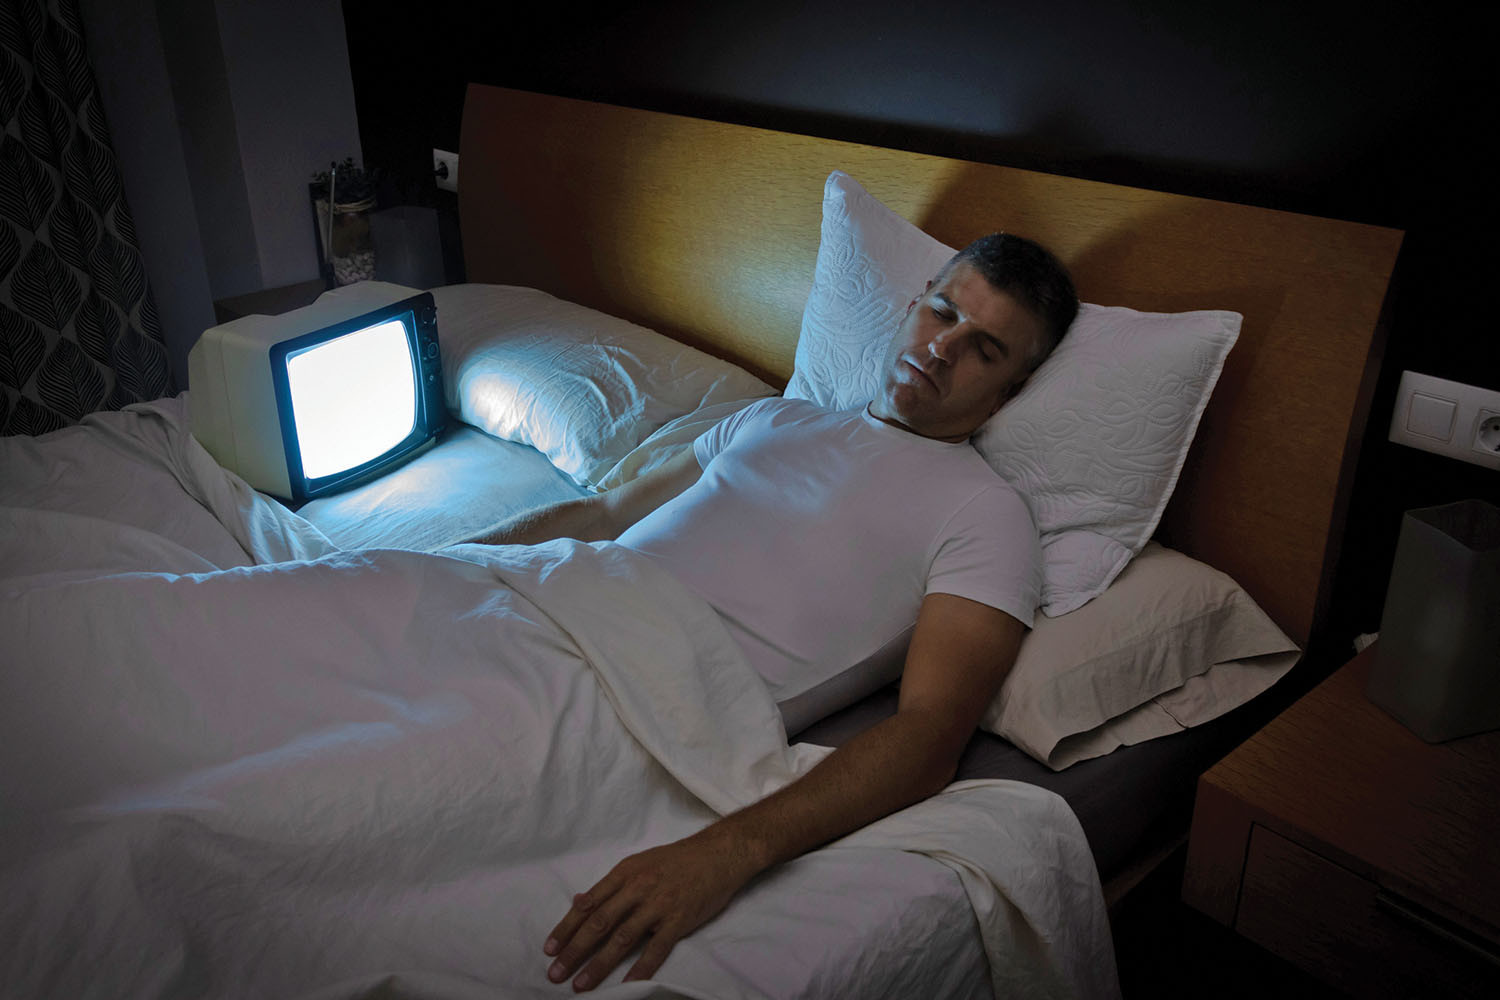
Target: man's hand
{"x": 960, "y": 652}
{"x": 657, "y": 897}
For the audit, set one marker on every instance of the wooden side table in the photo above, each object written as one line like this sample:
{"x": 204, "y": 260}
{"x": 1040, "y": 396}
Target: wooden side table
{"x": 1338, "y": 839}
{"x": 268, "y": 301}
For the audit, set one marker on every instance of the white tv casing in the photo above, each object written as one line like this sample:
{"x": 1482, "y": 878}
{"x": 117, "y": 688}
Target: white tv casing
{"x": 232, "y": 404}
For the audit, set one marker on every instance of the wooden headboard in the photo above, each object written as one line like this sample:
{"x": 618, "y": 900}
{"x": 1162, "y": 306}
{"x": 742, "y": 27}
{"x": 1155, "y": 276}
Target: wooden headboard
{"x": 709, "y": 232}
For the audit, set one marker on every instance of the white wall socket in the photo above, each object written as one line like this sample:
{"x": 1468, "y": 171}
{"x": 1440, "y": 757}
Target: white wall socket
{"x": 1448, "y": 418}
{"x": 445, "y": 169}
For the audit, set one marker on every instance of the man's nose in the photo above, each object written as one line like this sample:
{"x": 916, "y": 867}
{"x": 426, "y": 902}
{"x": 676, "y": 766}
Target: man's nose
{"x": 944, "y": 345}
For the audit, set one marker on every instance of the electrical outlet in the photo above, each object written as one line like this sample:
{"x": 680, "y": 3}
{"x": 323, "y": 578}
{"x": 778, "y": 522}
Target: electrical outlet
{"x": 1487, "y": 433}
{"x": 1448, "y": 418}
{"x": 445, "y": 169}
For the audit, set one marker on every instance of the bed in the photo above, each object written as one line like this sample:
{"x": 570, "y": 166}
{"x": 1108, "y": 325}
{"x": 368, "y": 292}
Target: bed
{"x": 252, "y": 751}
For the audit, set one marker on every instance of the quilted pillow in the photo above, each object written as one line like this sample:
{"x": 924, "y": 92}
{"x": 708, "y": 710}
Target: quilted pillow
{"x": 1096, "y": 438}
{"x": 581, "y": 387}
{"x": 871, "y": 264}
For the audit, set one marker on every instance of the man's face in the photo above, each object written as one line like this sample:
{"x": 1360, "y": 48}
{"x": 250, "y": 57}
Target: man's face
{"x": 963, "y": 349}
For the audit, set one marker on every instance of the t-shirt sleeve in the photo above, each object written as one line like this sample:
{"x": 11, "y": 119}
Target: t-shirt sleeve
{"x": 990, "y": 553}
{"x": 717, "y": 438}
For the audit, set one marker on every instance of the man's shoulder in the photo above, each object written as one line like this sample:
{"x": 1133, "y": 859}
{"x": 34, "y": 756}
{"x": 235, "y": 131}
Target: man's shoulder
{"x": 754, "y": 422}
{"x": 784, "y": 410}
{"x": 791, "y": 404}
{"x": 980, "y": 496}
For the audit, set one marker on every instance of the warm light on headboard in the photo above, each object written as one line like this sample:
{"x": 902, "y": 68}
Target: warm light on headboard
{"x": 709, "y": 232}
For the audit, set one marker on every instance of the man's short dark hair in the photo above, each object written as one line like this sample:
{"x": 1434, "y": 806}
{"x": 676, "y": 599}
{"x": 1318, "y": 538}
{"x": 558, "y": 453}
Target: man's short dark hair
{"x": 1027, "y": 270}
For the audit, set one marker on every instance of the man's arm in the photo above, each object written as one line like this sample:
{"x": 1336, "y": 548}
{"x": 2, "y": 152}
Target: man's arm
{"x": 960, "y": 652}
{"x": 601, "y": 516}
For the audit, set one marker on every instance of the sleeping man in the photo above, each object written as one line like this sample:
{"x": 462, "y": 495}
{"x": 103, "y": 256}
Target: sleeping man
{"x": 820, "y": 536}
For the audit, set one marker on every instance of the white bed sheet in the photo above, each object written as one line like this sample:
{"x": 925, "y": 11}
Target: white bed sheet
{"x": 467, "y": 482}
{"x": 294, "y": 810}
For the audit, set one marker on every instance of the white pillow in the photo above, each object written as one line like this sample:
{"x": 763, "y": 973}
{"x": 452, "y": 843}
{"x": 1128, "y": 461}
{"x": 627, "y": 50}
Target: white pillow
{"x": 871, "y": 264}
{"x": 581, "y": 387}
{"x": 1096, "y": 438}
{"x": 1170, "y": 644}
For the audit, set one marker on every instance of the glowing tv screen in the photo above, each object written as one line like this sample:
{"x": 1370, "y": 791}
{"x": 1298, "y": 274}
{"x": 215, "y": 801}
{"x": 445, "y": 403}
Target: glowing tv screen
{"x": 315, "y": 400}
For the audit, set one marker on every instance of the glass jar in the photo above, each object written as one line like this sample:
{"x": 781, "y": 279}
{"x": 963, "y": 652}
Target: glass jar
{"x": 352, "y": 250}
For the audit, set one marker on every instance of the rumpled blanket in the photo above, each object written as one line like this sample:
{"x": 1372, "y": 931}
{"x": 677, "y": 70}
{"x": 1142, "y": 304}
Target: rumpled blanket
{"x": 248, "y": 764}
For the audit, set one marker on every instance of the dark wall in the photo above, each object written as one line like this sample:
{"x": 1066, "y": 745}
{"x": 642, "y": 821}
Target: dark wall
{"x": 1346, "y": 111}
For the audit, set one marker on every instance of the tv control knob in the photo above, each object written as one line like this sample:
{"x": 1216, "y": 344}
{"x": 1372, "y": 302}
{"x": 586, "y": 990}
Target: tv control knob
{"x": 432, "y": 348}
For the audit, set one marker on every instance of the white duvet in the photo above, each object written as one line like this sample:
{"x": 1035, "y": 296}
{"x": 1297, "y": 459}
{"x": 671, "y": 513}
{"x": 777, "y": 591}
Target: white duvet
{"x": 239, "y": 762}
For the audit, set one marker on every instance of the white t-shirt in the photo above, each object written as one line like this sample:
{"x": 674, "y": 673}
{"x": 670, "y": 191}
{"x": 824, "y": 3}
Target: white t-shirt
{"x": 815, "y": 534}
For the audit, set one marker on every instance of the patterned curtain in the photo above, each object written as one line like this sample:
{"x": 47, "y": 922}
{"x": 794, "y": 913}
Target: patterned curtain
{"x": 78, "y": 326}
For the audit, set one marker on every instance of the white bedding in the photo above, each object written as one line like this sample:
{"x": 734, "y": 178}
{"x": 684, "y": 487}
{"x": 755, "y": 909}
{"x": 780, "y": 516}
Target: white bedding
{"x": 455, "y": 490}
{"x": 241, "y": 762}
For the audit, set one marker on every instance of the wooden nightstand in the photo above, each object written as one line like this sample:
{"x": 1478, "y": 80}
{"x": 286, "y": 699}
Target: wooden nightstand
{"x": 269, "y": 301}
{"x": 1339, "y": 840}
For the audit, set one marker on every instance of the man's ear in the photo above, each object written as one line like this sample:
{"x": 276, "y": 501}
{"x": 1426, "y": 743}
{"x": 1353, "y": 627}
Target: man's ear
{"x": 1009, "y": 393}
